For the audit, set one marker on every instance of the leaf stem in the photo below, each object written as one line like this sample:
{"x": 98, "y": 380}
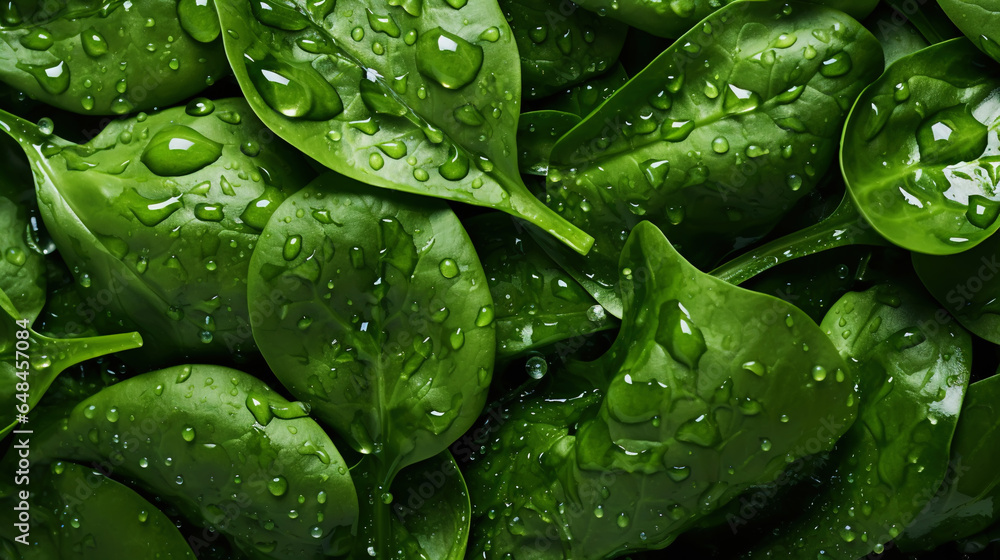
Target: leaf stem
{"x": 842, "y": 228}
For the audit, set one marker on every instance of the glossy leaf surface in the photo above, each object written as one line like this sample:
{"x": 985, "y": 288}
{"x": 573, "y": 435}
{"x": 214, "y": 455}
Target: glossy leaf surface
{"x": 157, "y": 217}
{"x": 708, "y": 390}
{"x": 715, "y": 140}
{"x": 409, "y": 96}
{"x": 919, "y": 153}
{"x": 886, "y": 468}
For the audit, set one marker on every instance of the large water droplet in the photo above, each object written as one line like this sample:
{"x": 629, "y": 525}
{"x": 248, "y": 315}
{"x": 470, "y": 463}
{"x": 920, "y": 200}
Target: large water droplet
{"x": 448, "y": 59}
{"x": 199, "y": 20}
{"x": 179, "y": 150}
{"x": 679, "y": 335}
{"x": 298, "y": 93}
{"x": 951, "y": 136}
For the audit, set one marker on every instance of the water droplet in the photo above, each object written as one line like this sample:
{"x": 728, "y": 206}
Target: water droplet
{"x": 38, "y": 39}
{"x": 676, "y": 131}
{"x": 819, "y": 373}
{"x": 951, "y": 136}
{"x": 982, "y": 212}
{"x": 292, "y": 248}
{"x": 52, "y": 77}
{"x": 457, "y": 166}
{"x": 720, "y": 145}
{"x": 679, "y": 335}
{"x": 448, "y": 59}
{"x": 259, "y": 211}
{"x": 536, "y": 367}
{"x": 298, "y": 93}
{"x": 209, "y": 212}
{"x": 188, "y": 434}
{"x": 199, "y": 20}
{"x": 179, "y": 150}
{"x": 277, "y": 486}
{"x": 485, "y": 316}
{"x": 837, "y": 65}
{"x": 383, "y": 24}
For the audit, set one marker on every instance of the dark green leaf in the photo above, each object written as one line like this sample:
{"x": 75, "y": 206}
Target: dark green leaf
{"x": 969, "y": 498}
{"x": 671, "y": 19}
{"x": 224, "y": 449}
{"x": 22, "y": 265}
{"x": 561, "y": 44}
{"x": 421, "y": 98}
{"x": 107, "y": 58}
{"x": 386, "y": 320}
{"x": 716, "y": 139}
{"x": 80, "y": 513}
{"x": 918, "y": 153}
{"x": 708, "y": 390}
{"x": 977, "y": 19}
{"x": 28, "y": 359}
{"x": 536, "y": 302}
{"x": 157, "y": 217}
{"x": 912, "y": 373}
{"x": 966, "y": 285}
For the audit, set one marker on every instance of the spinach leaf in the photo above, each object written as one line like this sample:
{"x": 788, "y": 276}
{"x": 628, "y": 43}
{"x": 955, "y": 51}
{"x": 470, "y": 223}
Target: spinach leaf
{"x": 895, "y": 33}
{"x": 671, "y": 19}
{"x": 537, "y": 133}
{"x": 715, "y": 140}
{"x": 965, "y": 284}
{"x": 708, "y": 390}
{"x": 377, "y": 312}
{"x": 157, "y": 217}
{"x": 912, "y": 379}
{"x": 109, "y": 58}
{"x": 919, "y": 154}
{"x": 30, "y": 362}
{"x": 967, "y": 501}
{"x": 431, "y": 510}
{"x": 977, "y": 21}
{"x": 225, "y": 450}
{"x": 22, "y": 264}
{"x": 584, "y": 98}
{"x": 560, "y": 44}
{"x": 536, "y": 303}
{"x": 80, "y": 513}
{"x": 423, "y": 98}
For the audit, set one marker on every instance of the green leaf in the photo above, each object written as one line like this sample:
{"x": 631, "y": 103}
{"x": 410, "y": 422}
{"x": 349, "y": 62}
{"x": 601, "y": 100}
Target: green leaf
{"x": 912, "y": 372}
{"x": 584, "y": 98}
{"x": 22, "y": 264}
{"x": 157, "y": 217}
{"x": 918, "y": 153}
{"x": 965, "y": 284}
{"x": 386, "y": 320}
{"x": 967, "y": 501}
{"x": 537, "y": 133}
{"x": 708, "y": 390}
{"x": 715, "y": 140}
{"x": 430, "y": 510}
{"x": 376, "y": 312}
{"x": 223, "y": 448}
{"x": 30, "y": 362}
{"x": 80, "y": 513}
{"x": 977, "y": 21}
{"x": 415, "y": 97}
{"x": 673, "y": 18}
{"x": 536, "y": 302}
{"x": 561, "y": 44}
{"x": 70, "y": 54}
{"x": 894, "y": 31}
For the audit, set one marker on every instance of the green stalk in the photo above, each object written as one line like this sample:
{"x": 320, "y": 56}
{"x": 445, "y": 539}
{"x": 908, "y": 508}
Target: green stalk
{"x": 842, "y": 228}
